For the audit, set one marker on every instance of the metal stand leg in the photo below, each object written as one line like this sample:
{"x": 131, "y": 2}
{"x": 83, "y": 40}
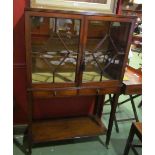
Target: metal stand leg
{"x": 134, "y": 108}
{"x": 112, "y": 117}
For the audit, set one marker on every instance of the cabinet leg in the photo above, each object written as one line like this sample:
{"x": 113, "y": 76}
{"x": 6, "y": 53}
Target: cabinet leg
{"x": 29, "y": 142}
{"x": 29, "y": 146}
{"x": 115, "y": 120}
{"x": 112, "y": 117}
{"x": 30, "y": 150}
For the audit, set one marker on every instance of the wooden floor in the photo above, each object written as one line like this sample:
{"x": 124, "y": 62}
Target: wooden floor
{"x": 67, "y": 128}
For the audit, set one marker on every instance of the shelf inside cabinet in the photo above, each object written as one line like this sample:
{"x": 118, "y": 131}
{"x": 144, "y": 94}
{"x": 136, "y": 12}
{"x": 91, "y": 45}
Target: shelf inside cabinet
{"x": 67, "y": 128}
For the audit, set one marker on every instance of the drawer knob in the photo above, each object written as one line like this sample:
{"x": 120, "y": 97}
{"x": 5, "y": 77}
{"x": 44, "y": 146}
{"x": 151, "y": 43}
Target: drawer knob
{"x": 97, "y": 91}
{"x": 54, "y": 93}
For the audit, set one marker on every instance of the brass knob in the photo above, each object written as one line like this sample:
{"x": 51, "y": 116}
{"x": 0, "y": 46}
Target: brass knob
{"x": 54, "y": 93}
{"x": 98, "y": 91}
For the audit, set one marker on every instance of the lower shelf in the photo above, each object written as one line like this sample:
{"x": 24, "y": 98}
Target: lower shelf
{"x": 67, "y": 128}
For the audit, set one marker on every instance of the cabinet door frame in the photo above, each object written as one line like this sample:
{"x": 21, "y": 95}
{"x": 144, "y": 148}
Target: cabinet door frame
{"x": 28, "y": 15}
{"x": 129, "y": 39}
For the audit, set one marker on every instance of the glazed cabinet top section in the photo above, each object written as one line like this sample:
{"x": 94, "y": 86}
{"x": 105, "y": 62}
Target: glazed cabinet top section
{"x": 75, "y": 50}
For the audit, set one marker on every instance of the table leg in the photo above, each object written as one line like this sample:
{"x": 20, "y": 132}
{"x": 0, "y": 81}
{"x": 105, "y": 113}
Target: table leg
{"x": 129, "y": 141}
{"x": 134, "y": 108}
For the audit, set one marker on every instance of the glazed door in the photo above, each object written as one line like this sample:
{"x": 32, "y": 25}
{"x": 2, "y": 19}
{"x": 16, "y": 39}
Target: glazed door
{"x": 105, "y": 41}
{"x": 70, "y": 50}
{"x": 55, "y": 48}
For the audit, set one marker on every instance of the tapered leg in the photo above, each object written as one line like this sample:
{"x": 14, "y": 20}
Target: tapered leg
{"x": 29, "y": 141}
{"x": 30, "y": 110}
{"x": 115, "y": 120}
{"x": 112, "y": 117}
{"x": 30, "y": 150}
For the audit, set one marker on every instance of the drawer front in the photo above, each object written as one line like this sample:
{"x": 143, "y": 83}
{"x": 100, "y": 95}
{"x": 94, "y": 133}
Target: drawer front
{"x": 100, "y": 91}
{"x": 75, "y": 92}
{"x": 56, "y": 93}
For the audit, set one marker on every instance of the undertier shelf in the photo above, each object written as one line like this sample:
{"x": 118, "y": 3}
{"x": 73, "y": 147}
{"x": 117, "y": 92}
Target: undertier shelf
{"x": 67, "y": 128}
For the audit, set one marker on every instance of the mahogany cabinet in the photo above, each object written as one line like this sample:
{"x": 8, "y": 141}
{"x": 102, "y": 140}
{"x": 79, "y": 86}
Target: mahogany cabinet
{"x": 72, "y": 54}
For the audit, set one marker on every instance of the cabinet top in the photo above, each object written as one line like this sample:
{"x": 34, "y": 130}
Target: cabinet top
{"x": 89, "y": 13}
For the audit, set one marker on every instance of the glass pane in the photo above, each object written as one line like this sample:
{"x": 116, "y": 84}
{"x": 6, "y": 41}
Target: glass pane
{"x": 104, "y": 52}
{"x": 55, "y": 45}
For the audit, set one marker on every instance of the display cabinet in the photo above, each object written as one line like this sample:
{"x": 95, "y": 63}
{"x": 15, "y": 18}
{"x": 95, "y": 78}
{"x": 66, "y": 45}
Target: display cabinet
{"x": 74, "y": 54}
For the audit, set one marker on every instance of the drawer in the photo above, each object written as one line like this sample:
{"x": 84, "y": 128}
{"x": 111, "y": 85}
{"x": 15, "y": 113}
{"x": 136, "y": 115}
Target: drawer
{"x": 100, "y": 91}
{"x": 87, "y": 91}
{"x": 54, "y": 93}
{"x": 75, "y": 92}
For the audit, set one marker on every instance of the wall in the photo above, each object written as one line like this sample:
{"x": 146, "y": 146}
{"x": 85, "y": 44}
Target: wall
{"x": 19, "y": 66}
